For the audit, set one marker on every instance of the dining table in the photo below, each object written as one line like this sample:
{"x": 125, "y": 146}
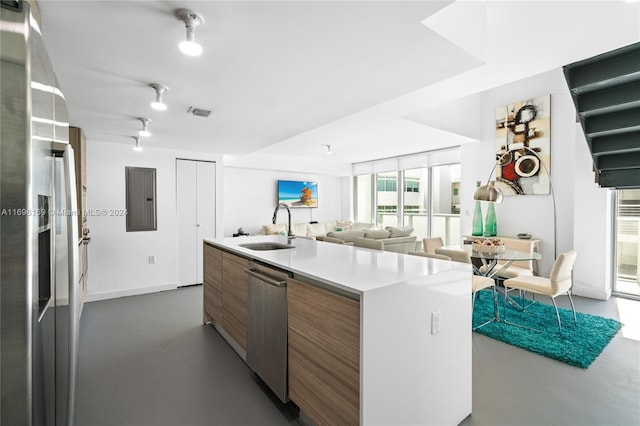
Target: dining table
{"x": 496, "y": 262}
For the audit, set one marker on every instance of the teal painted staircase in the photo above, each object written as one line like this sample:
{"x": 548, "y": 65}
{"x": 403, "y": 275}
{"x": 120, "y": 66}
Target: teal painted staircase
{"x": 606, "y": 93}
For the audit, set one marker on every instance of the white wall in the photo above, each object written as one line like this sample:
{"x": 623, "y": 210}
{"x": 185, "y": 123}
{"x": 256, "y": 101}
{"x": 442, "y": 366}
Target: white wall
{"x": 592, "y": 236}
{"x": 581, "y": 204}
{"x": 118, "y": 260}
{"x": 250, "y": 196}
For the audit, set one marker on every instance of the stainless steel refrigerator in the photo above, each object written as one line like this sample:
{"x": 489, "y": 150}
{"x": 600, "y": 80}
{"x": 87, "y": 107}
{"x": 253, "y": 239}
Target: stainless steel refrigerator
{"x": 39, "y": 315}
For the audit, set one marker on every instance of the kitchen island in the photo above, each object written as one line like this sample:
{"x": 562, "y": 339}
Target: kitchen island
{"x": 374, "y": 337}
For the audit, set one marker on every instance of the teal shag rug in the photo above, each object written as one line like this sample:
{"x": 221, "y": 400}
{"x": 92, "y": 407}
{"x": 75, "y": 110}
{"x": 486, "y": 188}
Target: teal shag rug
{"x": 578, "y": 345}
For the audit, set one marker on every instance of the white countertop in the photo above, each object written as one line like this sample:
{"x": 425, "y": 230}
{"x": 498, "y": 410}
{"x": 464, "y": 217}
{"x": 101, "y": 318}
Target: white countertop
{"x": 354, "y": 269}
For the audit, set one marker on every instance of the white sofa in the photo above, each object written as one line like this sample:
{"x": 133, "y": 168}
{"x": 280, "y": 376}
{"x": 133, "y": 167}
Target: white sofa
{"x": 317, "y": 229}
{"x": 396, "y": 239}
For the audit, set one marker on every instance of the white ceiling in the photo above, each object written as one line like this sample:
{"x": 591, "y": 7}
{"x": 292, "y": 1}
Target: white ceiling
{"x": 286, "y": 78}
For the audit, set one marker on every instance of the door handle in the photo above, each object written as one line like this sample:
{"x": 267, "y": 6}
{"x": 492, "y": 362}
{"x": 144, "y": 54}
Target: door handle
{"x": 264, "y": 278}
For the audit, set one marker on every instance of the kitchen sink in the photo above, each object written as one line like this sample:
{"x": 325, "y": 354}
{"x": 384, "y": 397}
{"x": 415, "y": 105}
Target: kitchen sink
{"x": 266, "y": 246}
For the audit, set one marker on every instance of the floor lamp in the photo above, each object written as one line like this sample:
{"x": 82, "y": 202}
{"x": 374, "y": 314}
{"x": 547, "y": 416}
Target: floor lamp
{"x": 493, "y": 194}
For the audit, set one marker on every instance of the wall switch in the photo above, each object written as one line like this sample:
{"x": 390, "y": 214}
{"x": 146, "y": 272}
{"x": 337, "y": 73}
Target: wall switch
{"x": 152, "y": 260}
{"x": 435, "y": 322}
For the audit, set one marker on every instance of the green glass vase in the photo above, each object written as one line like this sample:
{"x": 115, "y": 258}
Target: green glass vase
{"x": 490, "y": 224}
{"x": 476, "y": 228}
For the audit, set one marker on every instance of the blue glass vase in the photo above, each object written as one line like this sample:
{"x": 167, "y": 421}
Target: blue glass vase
{"x": 490, "y": 224}
{"x": 476, "y": 228}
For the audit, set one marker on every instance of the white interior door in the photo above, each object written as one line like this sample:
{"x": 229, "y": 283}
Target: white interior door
{"x": 206, "y": 207}
{"x": 187, "y": 220}
{"x": 195, "y": 214}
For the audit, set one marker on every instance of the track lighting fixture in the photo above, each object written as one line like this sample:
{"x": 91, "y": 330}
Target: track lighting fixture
{"x": 137, "y": 147}
{"x": 191, "y": 20}
{"x": 144, "y": 132}
{"x": 328, "y": 149}
{"x": 160, "y": 89}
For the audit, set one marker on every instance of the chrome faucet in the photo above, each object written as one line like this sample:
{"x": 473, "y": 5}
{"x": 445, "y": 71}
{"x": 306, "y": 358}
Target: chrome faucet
{"x": 290, "y": 235}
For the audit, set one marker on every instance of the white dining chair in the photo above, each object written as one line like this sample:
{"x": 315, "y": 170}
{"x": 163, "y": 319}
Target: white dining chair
{"x": 478, "y": 282}
{"x": 431, "y": 244}
{"x": 559, "y": 282}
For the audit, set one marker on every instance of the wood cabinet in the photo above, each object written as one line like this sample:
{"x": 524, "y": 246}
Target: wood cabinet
{"x": 78, "y": 143}
{"x": 212, "y": 284}
{"x": 235, "y": 292}
{"x": 324, "y": 354}
{"x": 225, "y": 292}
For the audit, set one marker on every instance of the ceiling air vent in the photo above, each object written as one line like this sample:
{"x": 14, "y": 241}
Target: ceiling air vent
{"x": 199, "y": 112}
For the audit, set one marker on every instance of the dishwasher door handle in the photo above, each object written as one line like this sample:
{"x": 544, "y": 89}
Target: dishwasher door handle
{"x": 265, "y": 278}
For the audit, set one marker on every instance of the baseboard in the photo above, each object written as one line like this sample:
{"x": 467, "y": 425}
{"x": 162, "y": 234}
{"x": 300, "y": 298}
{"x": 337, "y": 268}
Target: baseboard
{"x": 600, "y": 294}
{"x": 94, "y": 297}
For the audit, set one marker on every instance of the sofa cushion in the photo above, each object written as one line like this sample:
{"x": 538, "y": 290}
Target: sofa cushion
{"x": 362, "y": 225}
{"x": 277, "y": 229}
{"x": 316, "y": 229}
{"x": 403, "y": 231}
{"x": 299, "y": 229}
{"x": 341, "y": 225}
{"x": 400, "y": 244}
{"x": 329, "y": 225}
{"x": 377, "y": 234}
{"x": 347, "y": 236}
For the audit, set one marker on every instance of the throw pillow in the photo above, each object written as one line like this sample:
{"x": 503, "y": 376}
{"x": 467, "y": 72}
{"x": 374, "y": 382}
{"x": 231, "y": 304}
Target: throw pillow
{"x": 377, "y": 234}
{"x": 316, "y": 229}
{"x": 403, "y": 231}
{"x": 347, "y": 236}
{"x": 343, "y": 225}
{"x": 362, "y": 225}
{"x": 275, "y": 229}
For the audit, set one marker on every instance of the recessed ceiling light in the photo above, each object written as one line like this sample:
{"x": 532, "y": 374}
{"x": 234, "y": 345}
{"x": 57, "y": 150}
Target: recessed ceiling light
{"x": 158, "y": 104}
{"x": 144, "y": 132}
{"x": 191, "y": 20}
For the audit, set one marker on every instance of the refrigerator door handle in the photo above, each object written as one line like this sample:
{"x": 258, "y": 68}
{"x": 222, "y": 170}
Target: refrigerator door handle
{"x": 71, "y": 205}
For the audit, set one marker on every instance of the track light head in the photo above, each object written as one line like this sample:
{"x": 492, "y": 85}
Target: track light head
{"x": 137, "y": 146}
{"x": 191, "y": 20}
{"x": 144, "y": 132}
{"x": 158, "y": 104}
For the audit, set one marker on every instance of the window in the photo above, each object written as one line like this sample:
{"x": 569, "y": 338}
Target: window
{"x": 429, "y": 200}
{"x": 364, "y": 198}
{"x": 411, "y": 185}
{"x": 387, "y": 197}
{"x": 387, "y": 184}
{"x": 627, "y": 242}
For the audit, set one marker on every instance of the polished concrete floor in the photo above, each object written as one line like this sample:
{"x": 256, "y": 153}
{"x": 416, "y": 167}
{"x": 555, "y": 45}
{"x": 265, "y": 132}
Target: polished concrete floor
{"x": 148, "y": 360}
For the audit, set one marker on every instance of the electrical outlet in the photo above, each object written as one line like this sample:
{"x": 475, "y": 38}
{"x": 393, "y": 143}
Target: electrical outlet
{"x": 435, "y": 322}
{"x": 152, "y": 260}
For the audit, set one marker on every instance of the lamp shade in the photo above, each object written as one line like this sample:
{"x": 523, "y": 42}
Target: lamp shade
{"x": 489, "y": 192}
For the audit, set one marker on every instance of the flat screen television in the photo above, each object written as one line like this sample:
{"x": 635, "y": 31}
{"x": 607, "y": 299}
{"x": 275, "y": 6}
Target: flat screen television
{"x": 298, "y": 194}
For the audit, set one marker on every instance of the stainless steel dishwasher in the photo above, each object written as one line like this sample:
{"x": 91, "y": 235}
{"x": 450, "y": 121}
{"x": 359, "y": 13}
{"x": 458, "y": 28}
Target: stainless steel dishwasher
{"x": 267, "y": 326}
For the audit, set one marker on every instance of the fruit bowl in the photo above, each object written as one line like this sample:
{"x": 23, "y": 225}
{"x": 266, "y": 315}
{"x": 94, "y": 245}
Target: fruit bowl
{"x": 488, "y": 246}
